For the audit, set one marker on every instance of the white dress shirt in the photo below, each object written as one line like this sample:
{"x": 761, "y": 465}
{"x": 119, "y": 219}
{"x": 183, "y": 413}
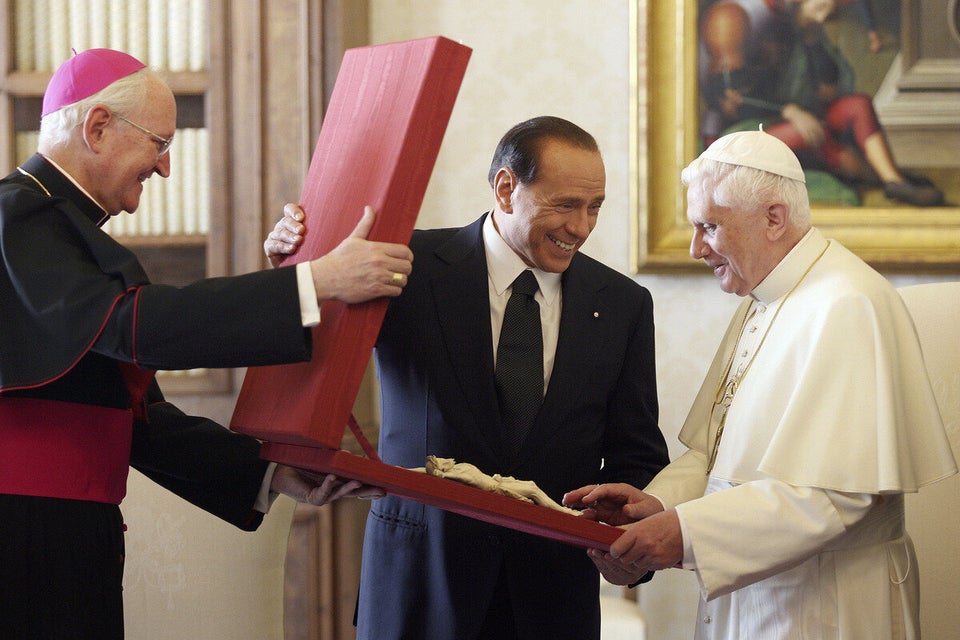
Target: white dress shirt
{"x": 503, "y": 267}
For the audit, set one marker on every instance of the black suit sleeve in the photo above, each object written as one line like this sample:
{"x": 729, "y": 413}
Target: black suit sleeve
{"x": 201, "y": 461}
{"x": 634, "y": 449}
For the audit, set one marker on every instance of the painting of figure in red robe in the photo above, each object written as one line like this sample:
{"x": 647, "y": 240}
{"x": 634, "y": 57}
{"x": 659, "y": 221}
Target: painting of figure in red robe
{"x": 807, "y": 71}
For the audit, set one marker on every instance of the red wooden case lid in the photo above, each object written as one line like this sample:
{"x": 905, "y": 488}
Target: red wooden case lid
{"x": 378, "y": 145}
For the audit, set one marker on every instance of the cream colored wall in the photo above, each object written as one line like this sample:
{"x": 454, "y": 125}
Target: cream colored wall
{"x": 191, "y": 575}
{"x": 568, "y": 58}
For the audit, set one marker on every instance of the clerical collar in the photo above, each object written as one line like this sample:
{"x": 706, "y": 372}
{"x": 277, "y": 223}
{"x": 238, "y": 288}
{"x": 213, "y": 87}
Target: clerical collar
{"x": 504, "y": 265}
{"x": 793, "y": 266}
{"x": 106, "y": 216}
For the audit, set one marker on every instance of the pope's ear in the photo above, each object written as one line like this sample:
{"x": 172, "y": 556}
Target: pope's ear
{"x": 503, "y": 185}
{"x": 778, "y": 218}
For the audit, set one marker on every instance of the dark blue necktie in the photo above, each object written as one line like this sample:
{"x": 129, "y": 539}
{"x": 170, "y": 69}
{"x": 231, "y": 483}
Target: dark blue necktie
{"x": 519, "y": 374}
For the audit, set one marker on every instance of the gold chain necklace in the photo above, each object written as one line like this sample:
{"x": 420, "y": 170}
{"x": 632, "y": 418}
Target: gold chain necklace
{"x": 34, "y": 178}
{"x": 730, "y": 384}
{"x": 103, "y": 218}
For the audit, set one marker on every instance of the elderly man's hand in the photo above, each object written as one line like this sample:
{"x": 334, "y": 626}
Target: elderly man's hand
{"x": 614, "y": 503}
{"x": 654, "y": 543}
{"x": 614, "y": 571}
{"x": 356, "y": 270}
{"x": 319, "y": 489}
{"x": 287, "y": 234}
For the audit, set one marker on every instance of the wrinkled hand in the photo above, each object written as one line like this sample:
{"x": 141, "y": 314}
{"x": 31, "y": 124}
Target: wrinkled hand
{"x": 287, "y": 235}
{"x": 654, "y": 543}
{"x": 615, "y": 503}
{"x": 319, "y": 489}
{"x": 614, "y": 571}
{"x": 356, "y": 270}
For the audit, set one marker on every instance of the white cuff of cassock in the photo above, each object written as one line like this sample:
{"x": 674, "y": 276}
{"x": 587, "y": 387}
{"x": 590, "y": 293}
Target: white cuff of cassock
{"x": 266, "y": 497}
{"x": 309, "y": 307}
{"x": 689, "y": 559}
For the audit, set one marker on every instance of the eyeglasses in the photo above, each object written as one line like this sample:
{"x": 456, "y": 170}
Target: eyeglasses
{"x": 163, "y": 144}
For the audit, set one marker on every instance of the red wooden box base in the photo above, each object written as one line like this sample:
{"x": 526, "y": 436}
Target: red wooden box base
{"x": 448, "y": 495}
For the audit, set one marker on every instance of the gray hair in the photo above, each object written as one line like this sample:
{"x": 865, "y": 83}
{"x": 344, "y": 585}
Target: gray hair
{"x": 749, "y": 189}
{"x": 126, "y": 95}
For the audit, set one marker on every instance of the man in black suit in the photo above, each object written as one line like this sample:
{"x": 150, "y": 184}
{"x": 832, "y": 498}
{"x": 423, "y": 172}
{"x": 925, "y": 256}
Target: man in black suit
{"x": 428, "y": 573}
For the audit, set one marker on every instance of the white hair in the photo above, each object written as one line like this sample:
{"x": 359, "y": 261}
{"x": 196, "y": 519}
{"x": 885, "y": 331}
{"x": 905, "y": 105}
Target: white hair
{"x": 748, "y": 189}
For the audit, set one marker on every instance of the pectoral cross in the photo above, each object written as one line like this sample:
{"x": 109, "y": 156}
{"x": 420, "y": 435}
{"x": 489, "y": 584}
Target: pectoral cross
{"x": 720, "y": 409}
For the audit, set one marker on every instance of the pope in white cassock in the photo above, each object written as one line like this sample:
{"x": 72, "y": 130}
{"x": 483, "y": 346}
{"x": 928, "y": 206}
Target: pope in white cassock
{"x": 814, "y": 419}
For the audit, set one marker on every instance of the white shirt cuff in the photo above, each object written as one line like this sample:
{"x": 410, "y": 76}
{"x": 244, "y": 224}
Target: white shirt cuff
{"x": 309, "y": 307}
{"x": 266, "y": 497}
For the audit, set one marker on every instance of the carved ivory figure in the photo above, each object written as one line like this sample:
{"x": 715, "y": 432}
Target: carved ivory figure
{"x": 525, "y": 490}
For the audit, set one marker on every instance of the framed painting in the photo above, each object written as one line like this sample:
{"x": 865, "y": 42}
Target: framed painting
{"x": 671, "y": 123}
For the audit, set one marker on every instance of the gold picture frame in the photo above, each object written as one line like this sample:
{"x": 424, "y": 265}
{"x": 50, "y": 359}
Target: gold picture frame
{"x": 664, "y": 138}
